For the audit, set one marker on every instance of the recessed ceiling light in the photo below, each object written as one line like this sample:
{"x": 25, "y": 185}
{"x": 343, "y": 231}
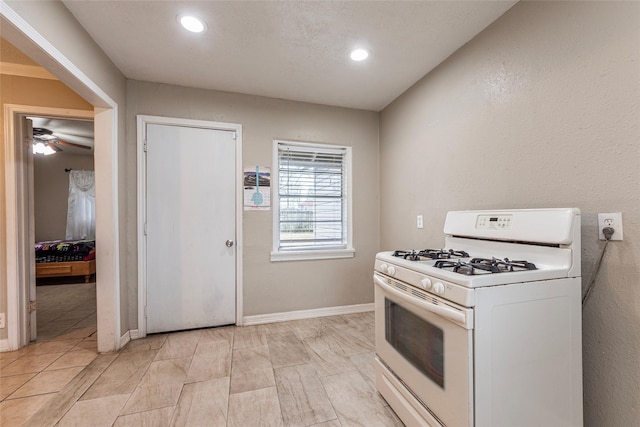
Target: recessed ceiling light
{"x": 359, "y": 54}
{"x": 191, "y": 23}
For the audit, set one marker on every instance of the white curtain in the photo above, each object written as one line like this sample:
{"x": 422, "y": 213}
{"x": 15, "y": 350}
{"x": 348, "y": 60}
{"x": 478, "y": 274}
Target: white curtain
{"x": 81, "y": 211}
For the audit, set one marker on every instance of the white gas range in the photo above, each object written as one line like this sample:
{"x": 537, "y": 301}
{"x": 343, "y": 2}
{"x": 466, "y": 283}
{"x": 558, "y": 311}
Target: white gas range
{"x": 486, "y": 332}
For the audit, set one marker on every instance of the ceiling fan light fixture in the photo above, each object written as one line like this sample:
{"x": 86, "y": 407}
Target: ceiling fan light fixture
{"x": 359, "y": 54}
{"x": 191, "y": 23}
{"x": 38, "y": 148}
{"x": 42, "y": 148}
{"x": 48, "y": 150}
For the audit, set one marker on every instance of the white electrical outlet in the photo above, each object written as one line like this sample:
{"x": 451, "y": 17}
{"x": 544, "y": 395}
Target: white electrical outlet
{"x": 2, "y": 325}
{"x": 419, "y": 221}
{"x": 613, "y": 220}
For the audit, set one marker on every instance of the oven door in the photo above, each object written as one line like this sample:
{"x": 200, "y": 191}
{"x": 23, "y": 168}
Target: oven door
{"x": 426, "y": 344}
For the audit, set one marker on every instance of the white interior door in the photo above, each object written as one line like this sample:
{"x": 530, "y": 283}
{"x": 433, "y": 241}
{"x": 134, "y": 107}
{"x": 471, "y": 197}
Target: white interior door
{"x": 190, "y": 226}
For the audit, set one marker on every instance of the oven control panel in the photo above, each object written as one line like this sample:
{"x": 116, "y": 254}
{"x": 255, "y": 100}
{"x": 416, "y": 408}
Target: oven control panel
{"x": 494, "y": 222}
{"x": 430, "y": 283}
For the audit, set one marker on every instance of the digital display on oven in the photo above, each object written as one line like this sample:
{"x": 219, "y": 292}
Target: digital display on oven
{"x": 494, "y": 222}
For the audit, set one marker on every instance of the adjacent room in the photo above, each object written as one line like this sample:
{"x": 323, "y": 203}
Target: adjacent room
{"x": 64, "y": 221}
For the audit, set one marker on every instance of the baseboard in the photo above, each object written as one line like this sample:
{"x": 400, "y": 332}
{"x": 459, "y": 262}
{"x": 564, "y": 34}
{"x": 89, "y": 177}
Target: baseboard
{"x": 124, "y": 339}
{"x": 306, "y": 314}
{"x": 4, "y": 345}
{"x": 278, "y": 317}
{"x": 132, "y": 334}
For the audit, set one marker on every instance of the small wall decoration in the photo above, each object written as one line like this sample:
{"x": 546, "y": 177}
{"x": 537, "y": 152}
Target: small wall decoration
{"x": 257, "y": 188}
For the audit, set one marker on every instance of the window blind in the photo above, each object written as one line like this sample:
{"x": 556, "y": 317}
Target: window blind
{"x": 312, "y": 200}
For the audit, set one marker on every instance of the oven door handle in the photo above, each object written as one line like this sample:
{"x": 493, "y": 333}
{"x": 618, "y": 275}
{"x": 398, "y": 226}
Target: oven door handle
{"x": 446, "y": 312}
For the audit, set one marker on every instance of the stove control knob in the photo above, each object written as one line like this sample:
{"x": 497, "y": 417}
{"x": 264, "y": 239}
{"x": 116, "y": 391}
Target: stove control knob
{"x": 438, "y": 288}
{"x": 391, "y": 270}
{"x": 383, "y": 268}
{"x": 425, "y": 283}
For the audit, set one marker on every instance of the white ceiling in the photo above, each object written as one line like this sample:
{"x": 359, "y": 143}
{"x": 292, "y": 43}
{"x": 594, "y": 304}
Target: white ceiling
{"x": 295, "y": 50}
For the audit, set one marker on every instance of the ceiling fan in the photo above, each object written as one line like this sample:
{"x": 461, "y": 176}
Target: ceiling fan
{"x": 45, "y": 142}
{"x": 51, "y": 135}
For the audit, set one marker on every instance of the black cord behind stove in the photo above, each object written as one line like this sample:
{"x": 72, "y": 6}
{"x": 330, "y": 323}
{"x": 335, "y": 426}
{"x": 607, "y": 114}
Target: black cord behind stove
{"x": 608, "y": 232}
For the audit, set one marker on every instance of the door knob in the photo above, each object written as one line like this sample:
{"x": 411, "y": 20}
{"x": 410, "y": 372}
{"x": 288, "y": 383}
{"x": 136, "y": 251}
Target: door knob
{"x": 229, "y": 243}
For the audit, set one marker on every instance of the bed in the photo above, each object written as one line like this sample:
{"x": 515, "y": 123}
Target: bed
{"x": 63, "y": 258}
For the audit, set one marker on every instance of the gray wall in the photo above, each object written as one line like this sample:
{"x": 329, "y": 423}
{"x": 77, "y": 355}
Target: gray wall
{"x": 51, "y": 192}
{"x": 272, "y": 287}
{"x": 540, "y": 110}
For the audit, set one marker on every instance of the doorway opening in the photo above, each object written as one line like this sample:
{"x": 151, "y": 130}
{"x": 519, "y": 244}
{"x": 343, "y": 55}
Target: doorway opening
{"x": 107, "y": 117}
{"x": 20, "y": 189}
{"x": 64, "y": 229}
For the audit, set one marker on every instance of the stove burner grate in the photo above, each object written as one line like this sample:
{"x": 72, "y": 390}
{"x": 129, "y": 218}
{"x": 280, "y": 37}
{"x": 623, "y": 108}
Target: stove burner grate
{"x": 493, "y": 265}
{"x": 430, "y": 254}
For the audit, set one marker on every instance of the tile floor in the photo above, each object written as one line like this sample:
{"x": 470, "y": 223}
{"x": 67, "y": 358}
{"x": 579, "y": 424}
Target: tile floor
{"x": 62, "y": 307}
{"x": 314, "y": 372}
{"x": 66, "y": 344}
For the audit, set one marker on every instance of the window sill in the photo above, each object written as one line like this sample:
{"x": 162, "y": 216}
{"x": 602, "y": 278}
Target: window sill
{"x": 312, "y": 254}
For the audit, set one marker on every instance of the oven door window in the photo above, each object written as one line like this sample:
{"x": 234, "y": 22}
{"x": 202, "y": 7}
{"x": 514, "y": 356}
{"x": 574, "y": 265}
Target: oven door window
{"x": 420, "y": 343}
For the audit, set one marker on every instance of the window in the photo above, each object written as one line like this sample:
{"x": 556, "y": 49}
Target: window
{"x": 311, "y": 206}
